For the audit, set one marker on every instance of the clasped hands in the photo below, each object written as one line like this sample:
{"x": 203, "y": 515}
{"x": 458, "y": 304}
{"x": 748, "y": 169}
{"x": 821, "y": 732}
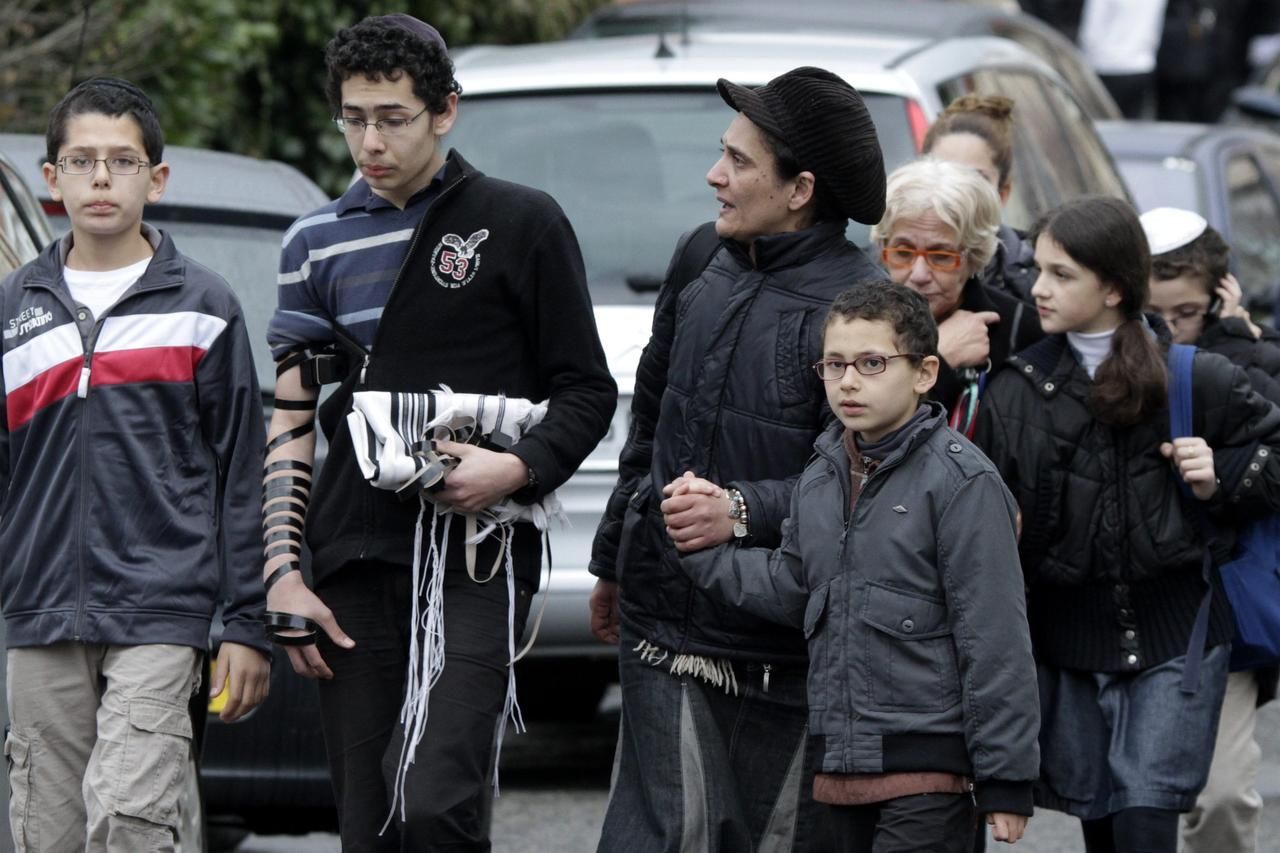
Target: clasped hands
{"x": 696, "y": 513}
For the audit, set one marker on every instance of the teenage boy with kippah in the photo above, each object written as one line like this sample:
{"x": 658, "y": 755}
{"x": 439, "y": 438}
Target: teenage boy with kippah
{"x": 428, "y": 273}
{"x": 712, "y": 752}
{"x": 130, "y": 442}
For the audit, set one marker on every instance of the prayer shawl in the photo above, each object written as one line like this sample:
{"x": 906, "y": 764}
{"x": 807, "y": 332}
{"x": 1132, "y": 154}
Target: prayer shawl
{"x": 393, "y": 436}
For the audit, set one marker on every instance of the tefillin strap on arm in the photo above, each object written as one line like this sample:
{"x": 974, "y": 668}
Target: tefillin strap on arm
{"x": 286, "y": 495}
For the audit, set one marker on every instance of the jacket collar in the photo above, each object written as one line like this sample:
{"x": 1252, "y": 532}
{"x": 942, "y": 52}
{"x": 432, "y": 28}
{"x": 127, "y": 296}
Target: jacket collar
{"x": 360, "y": 196}
{"x": 830, "y": 443}
{"x": 792, "y": 248}
{"x": 167, "y": 267}
{"x": 1050, "y": 365}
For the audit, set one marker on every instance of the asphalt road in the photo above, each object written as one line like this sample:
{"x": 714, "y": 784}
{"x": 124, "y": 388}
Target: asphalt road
{"x": 556, "y": 778}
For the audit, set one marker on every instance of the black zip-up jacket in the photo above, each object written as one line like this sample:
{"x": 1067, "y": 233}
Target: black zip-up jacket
{"x": 1019, "y": 328}
{"x": 521, "y": 326}
{"x": 725, "y": 388}
{"x": 1232, "y": 339}
{"x": 130, "y": 459}
{"x": 1012, "y": 270}
{"x": 919, "y": 656}
{"x": 1112, "y": 556}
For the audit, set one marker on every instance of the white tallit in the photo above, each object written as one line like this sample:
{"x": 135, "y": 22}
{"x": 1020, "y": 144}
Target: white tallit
{"x": 392, "y": 434}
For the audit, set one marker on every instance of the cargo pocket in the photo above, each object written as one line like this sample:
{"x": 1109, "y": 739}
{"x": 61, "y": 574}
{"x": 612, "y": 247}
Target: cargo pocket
{"x": 17, "y": 751}
{"x": 155, "y": 758}
{"x": 815, "y": 618}
{"x": 910, "y": 651}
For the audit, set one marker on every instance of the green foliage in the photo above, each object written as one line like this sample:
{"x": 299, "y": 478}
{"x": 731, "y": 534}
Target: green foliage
{"x": 236, "y": 75}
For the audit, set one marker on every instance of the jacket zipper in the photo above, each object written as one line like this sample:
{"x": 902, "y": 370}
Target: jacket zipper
{"x": 765, "y": 680}
{"x": 395, "y": 285}
{"x": 82, "y": 392}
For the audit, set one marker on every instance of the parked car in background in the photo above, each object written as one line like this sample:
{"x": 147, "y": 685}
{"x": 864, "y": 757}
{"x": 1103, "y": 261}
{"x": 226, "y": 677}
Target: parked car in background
{"x": 1228, "y": 174}
{"x": 24, "y": 229}
{"x": 924, "y": 19}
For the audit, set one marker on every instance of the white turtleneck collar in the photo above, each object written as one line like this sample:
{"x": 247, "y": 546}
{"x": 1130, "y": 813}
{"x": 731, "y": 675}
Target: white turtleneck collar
{"x": 1091, "y": 348}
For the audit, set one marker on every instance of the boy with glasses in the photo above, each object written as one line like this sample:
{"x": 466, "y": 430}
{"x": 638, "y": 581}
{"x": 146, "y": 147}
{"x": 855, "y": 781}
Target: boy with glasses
{"x": 427, "y": 273}
{"x": 130, "y": 443}
{"x": 900, "y": 564}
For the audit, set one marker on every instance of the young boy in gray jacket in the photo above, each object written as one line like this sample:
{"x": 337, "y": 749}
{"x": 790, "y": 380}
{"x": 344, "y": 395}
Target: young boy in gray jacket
{"x": 900, "y": 561}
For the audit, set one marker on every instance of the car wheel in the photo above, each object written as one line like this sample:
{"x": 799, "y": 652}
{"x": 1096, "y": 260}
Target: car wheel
{"x": 191, "y": 828}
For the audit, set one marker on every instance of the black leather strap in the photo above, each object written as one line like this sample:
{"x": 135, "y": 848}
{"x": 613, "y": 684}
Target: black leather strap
{"x": 280, "y": 572}
{"x": 277, "y": 623}
{"x": 285, "y": 437}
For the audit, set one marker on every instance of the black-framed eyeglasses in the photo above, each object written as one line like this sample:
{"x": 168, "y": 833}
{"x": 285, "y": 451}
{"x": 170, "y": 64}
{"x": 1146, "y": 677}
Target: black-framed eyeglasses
{"x": 76, "y": 164}
{"x": 831, "y": 369}
{"x": 353, "y": 126}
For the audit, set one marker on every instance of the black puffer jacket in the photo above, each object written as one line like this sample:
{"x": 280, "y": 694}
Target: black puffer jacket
{"x": 1112, "y": 558}
{"x": 1260, "y": 357}
{"x": 725, "y": 388}
{"x": 1012, "y": 270}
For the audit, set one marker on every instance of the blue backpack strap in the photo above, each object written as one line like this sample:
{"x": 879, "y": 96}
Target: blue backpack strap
{"x": 1180, "y": 359}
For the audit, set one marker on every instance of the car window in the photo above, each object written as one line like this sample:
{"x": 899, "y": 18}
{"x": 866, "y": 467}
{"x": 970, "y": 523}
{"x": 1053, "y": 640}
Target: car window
{"x": 629, "y": 168}
{"x": 1255, "y": 221}
{"x": 1069, "y": 63}
{"x": 248, "y": 259}
{"x": 1167, "y": 182}
{"x": 1057, "y": 154}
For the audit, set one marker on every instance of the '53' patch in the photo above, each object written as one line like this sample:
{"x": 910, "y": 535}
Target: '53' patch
{"x": 454, "y": 261}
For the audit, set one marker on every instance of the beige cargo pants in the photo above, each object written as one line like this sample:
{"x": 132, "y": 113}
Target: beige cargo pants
{"x": 98, "y": 745}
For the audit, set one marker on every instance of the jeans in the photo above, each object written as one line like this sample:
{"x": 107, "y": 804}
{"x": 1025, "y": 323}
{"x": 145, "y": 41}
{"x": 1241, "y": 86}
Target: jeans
{"x": 448, "y": 791}
{"x": 699, "y": 768}
{"x": 1116, "y": 741}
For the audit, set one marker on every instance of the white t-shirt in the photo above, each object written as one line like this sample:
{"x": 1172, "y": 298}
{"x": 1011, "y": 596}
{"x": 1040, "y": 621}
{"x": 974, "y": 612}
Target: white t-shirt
{"x": 99, "y": 290}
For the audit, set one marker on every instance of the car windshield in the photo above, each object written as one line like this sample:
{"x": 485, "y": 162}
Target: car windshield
{"x": 247, "y": 258}
{"x": 1162, "y": 183}
{"x": 629, "y": 169}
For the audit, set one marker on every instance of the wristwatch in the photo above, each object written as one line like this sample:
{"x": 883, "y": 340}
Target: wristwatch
{"x": 738, "y": 512}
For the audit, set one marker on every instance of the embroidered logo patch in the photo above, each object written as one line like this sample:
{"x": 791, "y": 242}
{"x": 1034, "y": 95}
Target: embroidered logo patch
{"x": 454, "y": 261}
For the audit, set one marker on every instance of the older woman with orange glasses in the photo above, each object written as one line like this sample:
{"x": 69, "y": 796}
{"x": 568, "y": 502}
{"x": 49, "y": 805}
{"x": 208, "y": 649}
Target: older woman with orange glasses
{"x": 936, "y": 237}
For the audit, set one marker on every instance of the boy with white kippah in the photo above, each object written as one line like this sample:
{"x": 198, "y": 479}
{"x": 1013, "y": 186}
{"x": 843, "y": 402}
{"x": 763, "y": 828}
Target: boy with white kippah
{"x": 1193, "y": 289}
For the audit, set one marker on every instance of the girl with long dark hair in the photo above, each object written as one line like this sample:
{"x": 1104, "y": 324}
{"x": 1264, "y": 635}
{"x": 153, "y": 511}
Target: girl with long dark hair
{"x": 1078, "y": 425}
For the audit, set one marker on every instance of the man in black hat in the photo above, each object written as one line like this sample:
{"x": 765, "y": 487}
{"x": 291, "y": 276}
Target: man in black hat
{"x": 712, "y": 752}
{"x": 427, "y": 273}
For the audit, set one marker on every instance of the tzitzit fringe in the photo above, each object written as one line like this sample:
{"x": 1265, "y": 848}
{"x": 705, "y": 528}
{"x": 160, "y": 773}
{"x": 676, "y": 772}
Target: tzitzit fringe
{"x": 718, "y": 673}
{"x": 426, "y": 645}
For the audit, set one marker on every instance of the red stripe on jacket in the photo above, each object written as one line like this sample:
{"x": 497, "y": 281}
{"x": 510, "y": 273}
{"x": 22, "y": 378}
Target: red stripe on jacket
{"x": 121, "y": 367}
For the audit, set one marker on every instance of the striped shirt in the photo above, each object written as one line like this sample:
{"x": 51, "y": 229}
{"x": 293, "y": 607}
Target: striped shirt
{"x": 338, "y": 264}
